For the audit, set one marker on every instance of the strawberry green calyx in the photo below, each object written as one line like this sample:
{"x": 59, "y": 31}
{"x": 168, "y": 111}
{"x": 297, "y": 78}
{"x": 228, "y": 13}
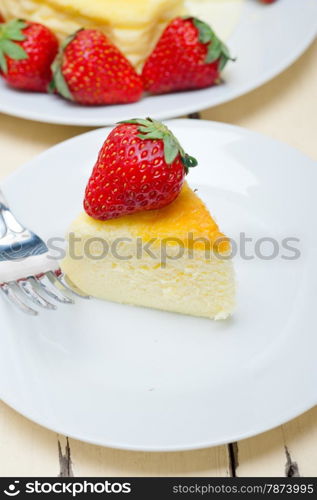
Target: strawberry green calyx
{"x": 58, "y": 82}
{"x": 152, "y": 129}
{"x": 10, "y": 33}
{"x": 216, "y": 48}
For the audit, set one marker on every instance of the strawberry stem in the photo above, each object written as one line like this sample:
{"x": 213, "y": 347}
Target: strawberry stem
{"x": 153, "y": 129}
{"x": 9, "y": 33}
{"x": 217, "y": 50}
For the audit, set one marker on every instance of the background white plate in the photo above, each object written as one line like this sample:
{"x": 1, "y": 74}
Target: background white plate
{"x": 142, "y": 379}
{"x": 266, "y": 40}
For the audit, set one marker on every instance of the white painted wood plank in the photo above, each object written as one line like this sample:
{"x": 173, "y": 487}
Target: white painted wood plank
{"x": 21, "y": 140}
{"x": 286, "y": 450}
{"x": 26, "y": 449}
{"x": 96, "y": 461}
{"x": 301, "y": 440}
{"x": 262, "y": 456}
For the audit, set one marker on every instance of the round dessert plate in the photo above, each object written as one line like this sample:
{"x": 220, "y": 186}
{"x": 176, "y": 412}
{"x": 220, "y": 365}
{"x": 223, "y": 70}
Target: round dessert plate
{"x": 143, "y": 379}
{"x": 265, "y": 39}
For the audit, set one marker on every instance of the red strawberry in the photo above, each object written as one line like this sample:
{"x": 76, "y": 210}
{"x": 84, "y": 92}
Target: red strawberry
{"x": 91, "y": 70}
{"x": 1, "y": 18}
{"x": 268, "y": 1}
{"x": 187, "y": 56}
{"x": 141, "y": 166}
{"x": 26, "y": 54}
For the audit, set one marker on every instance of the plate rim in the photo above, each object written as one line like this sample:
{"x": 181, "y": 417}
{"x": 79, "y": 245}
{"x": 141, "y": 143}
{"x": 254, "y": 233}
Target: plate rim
{"x": 285, "y": 417}
{"x": 167, "y": 449}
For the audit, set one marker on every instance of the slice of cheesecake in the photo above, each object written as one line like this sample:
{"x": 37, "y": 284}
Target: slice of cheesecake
{"x": 174, "y": 259}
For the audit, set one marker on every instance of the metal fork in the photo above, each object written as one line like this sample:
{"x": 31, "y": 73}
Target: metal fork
{"x": 27, "y": 275}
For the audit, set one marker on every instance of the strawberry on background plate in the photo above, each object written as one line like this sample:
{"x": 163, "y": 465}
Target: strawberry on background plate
{"x": 91, "y": 70}
{"x": 141, "y": 166}
{"x": 27, "y": 51}
{"x": 1, "y": 18}
{"x": 268, "y": 1}
{"x": 189, "y": 55}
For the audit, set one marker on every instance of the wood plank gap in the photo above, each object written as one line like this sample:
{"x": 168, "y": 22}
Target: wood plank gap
{"x": 233, "y": 454}
{"x": 65, "y": 460}
{"x": 194, "y": 116}
{"x": 291, "y": 468}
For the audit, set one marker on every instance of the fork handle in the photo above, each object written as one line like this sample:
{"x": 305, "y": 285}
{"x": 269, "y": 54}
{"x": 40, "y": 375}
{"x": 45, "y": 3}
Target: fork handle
{"x": 7, "y": 220}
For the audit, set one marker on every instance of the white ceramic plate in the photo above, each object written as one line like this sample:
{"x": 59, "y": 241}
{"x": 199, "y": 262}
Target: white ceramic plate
{"x": 266, "y": 40}
{"x": 142, "y": 379}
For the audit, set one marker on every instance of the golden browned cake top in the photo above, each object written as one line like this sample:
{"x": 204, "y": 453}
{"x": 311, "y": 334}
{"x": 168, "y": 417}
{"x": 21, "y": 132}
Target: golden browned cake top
{"x": 186, "y": 219}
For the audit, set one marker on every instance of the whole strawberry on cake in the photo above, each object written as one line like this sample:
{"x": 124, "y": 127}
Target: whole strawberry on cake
{"x": 145, "y": 237}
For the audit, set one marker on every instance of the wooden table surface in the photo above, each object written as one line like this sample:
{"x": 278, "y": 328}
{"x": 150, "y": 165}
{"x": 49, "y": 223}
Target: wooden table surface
{"x": 285, "y": 108}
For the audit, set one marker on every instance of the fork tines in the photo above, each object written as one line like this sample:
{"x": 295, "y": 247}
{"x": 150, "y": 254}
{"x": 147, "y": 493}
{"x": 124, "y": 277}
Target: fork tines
{"x": 43, "y": 291}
